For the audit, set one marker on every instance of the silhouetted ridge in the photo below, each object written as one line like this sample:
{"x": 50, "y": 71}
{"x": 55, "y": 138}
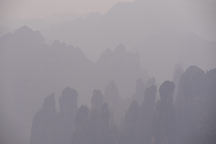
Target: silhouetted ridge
{"x": 158, "y": 30}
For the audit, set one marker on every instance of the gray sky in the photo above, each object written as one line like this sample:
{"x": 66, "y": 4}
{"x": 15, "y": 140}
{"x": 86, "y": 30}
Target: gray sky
{"x": 14, "y": 13}
{"x": 34, "y": 9}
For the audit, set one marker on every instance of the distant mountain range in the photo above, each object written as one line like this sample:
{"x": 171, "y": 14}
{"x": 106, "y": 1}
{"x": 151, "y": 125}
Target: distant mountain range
{"x": 162, "y": 32}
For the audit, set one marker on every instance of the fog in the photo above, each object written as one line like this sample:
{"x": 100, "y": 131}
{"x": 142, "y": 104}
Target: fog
{"x": 184, "y": 28}
{"x": 107, "y": 72}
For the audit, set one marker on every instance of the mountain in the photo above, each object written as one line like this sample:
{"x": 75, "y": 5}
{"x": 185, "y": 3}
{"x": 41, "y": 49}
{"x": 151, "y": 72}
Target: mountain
{"x": 31, "y": 69}
{"x": 162, "y": 32}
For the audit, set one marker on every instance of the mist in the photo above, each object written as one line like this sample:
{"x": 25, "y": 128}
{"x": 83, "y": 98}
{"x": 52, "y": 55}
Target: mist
{"x": 107, "y": 72}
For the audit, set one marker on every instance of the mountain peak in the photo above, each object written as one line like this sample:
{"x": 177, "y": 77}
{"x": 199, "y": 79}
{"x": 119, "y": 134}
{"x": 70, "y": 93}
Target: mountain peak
{"x": 24, "y": 28}
{"x": 27, "y": 34}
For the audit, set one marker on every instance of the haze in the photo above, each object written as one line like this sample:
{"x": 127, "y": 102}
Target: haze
{"x": 15, "y": 13}
{"x": 107, "y": 71}
{"x": 20, "y": 11}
